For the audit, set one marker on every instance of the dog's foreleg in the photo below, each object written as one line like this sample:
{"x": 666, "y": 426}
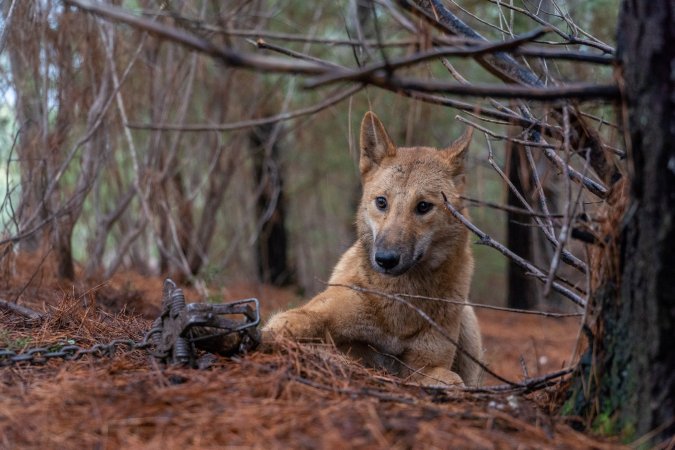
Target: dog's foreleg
{"x": 300, "y": 323}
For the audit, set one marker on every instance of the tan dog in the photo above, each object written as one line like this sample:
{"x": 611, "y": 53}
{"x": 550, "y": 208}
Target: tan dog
{"x": 407, "y": 244}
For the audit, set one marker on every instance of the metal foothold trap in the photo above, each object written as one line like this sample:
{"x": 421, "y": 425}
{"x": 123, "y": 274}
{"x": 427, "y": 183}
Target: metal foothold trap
{"x": 183, "y": 328}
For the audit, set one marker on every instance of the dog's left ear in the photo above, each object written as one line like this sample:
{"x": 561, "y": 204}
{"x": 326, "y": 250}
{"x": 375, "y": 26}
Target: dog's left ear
{"x": 457, "y": 153}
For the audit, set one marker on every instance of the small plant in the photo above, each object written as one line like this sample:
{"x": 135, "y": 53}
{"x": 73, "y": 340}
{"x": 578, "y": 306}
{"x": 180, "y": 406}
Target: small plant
{"x": 8, "y": 341}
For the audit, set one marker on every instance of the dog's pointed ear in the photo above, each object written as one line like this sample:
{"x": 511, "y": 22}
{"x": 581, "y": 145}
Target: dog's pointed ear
{"x": 458, "y": 151}
{"x": 375, "y": 143}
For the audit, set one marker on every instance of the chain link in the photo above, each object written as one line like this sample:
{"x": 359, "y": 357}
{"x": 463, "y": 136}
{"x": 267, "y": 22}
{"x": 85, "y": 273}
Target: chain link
{"x": 40, "y": 355}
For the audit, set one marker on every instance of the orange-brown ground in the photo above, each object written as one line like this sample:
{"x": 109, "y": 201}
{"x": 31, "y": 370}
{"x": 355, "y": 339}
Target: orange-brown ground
{"x": 296, "y": 396}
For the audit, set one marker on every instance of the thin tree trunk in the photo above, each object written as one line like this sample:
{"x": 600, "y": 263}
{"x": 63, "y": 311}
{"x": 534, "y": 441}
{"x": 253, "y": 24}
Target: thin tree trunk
{"x": 523, "y": 289}
{"x": 271, "y": 245}
{"x": 24, "y": 55}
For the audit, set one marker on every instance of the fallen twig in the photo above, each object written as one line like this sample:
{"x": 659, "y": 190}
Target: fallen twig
{"x": 528, "y": 384}
{"x": 21, "y": 310}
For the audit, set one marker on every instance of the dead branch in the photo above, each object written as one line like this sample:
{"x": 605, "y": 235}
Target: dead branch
{"x": 457, "y": 302}
{"x": 569, "y": 39}
{"x": 577, "y": 91}
{"x": 593, "y": 186}
{"x": 568, "y": 257}
{"x": 509, "y": 208}
{"x": 261, "y": 44}
{"x": 228, "y": 56}
{"x": 528, "y": 384}
{"x": 438, "y": 52}
{"x": 505, "y": 67}
{"x": 446, "y": 336}
{"x": 330, "y": 101}
{"x": 21, "y": 310}
{"x": 541, "y": 52}
{"x": 529, "y": 267}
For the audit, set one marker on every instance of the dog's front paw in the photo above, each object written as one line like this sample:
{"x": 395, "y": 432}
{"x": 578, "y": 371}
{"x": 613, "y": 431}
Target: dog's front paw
{"x": 438, "y": 376}
{"x": 296, "y": 324}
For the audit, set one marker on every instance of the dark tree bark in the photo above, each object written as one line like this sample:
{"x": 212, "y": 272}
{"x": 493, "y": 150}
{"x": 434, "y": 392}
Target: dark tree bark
{"x": 628, "y": 376}
{"x": 271, "y": 243}
{"x": 523, "y": 289}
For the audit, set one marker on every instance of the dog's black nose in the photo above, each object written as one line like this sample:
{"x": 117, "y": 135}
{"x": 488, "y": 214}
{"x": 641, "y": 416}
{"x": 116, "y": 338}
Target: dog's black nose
{"x": 387, "y": 259}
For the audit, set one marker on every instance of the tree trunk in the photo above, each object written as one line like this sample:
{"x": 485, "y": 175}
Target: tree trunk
{"x": 24, "y": 56}
{"x": 523, "y": 289}
{"x": 271, "y": 245}
{"x": 627, "y": 381}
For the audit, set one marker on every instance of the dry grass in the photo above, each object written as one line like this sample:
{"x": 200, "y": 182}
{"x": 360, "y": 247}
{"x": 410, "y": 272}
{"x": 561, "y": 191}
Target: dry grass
{"x": 299, "y": 396}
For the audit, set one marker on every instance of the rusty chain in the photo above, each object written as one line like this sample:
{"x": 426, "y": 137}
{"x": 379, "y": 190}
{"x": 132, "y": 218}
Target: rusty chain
{"x": 175, "y": 335}
{"x": 40, "y": 355}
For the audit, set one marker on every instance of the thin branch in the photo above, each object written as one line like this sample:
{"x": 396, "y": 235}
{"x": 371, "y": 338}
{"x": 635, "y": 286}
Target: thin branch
{"x": 443, "y": 332}
{"x": 226, "y": 55}
{"x": 21, "y": 310}
{"x": 509, "y": 208}
{"x": 456, "y": 302}
{"x": 593, "y": 186}
{"x": 487, "y": 240}
{"x": 438, "y": 52}
{"x": 568, "y": 257}
{"x": 570, "y": 39}
{"x": 528, "y": 384}
{"x": 330, "y": 101}
{"x": 539, "y": 188}
{"x": 540, "y": 52}
{"x": 261, "y": 44}
{"x": 578, "y": 91}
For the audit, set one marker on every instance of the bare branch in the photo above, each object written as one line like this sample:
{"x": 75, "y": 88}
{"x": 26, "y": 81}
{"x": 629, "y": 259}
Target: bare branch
{"x": 226, "y": 55}
{"x": 487, "y": 240}
{"x": 457, "y": 302}
{"x": 21, "y": 310}
{"x": 438, "y": 52}
{"x": 578, "y": 91}
{"x": 330, "y": 101}
{"x": 506, "y": 68}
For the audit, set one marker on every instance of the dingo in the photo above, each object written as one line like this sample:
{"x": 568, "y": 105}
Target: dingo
{"x": 407, "y": 244}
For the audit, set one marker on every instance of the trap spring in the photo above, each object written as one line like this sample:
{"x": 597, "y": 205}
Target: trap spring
{"x": 175, "y": 336}
{"x": 184, "y": 328}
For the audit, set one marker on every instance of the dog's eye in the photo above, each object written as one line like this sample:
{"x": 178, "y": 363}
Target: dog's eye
{"x": 381, "y": 203}
{"x": 423, "y": 207}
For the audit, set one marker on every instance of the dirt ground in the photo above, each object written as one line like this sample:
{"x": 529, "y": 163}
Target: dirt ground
{"x": 294, "y": 396}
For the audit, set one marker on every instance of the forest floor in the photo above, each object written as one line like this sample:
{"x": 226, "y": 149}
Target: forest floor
{"x": 295, "y": 396}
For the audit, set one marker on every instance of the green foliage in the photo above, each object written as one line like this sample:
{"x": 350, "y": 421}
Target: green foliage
{"x": 11, "y": 342}
{"x": 607, "y": 424}
{"x": 604, "y": 424}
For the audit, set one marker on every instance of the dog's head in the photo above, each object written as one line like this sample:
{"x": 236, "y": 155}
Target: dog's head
{"x": 402, "y": 220}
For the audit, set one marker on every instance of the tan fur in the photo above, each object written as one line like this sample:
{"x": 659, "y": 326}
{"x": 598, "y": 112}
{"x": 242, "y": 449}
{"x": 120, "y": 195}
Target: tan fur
{"x": 434, "y": 260}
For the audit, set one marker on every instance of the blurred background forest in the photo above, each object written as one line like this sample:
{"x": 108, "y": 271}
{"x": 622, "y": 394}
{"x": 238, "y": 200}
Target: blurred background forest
{"x": 122, "y": 151}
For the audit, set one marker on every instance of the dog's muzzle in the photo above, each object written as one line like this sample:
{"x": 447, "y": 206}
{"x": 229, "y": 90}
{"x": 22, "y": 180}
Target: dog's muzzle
{"x": 387, "y": 259}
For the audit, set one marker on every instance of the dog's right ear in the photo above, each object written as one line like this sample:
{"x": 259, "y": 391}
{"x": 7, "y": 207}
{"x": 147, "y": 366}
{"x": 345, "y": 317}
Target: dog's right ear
{"x": 375, "y": 143}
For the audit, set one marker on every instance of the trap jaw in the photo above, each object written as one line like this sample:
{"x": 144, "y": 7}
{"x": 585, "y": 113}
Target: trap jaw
{"x": 184, "y": 328}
